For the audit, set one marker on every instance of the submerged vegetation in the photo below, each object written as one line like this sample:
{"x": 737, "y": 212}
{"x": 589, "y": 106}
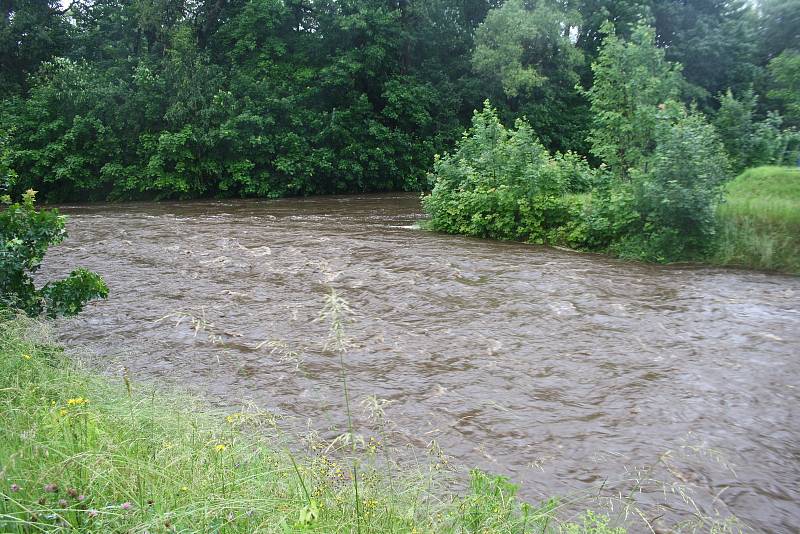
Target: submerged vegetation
{"x": 85, "y": 453}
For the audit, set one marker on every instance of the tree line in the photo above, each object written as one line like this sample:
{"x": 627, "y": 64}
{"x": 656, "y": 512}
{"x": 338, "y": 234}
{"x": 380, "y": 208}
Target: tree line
{"x": 131, "y": 99}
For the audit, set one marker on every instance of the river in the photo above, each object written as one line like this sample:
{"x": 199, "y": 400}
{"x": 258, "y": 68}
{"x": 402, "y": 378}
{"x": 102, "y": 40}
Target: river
{"x": 560, "y": 370}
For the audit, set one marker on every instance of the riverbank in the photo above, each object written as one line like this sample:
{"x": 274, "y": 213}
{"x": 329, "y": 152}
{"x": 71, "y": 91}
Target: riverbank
{"x": 759, "y": 222}
{"x": 86, "y": 453}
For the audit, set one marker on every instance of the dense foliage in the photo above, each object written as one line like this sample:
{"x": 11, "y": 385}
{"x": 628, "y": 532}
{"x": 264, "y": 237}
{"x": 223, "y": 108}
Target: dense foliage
{"x": 25, "y": 235}
{"x": 125, "y": 99}
{"x": 630, "y": 79}
{"x": 749, "y": 142}
{"x": 628, "y": 115}
{"x": 657, "y": 199}
{"x": 676, "y": 193}
{"x": 504, "y": 184}
{"x": 784, "y": 72}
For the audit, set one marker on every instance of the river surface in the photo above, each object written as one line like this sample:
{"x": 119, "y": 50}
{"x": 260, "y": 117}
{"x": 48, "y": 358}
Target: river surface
{"x": 557, "y": 369}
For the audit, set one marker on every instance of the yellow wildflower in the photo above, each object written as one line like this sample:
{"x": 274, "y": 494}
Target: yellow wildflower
{"x": 63, "y": 412}
{"x": 77, "y": 401}
{"x": 26, "y": 356}
{"x": 220, "y": 447}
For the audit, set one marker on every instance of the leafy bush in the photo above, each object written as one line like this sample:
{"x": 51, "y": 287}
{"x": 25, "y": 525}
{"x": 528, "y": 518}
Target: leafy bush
{"x": 734, "y": 124}
{"x": 631, "y": 78}
{"x": 576, "y": 174}
{"x": 676, "y": 194}
{"x": 7, "y": 174}
{"x": 610, "y": 214}
{"x": 784, "y": 77}
{"x": 750, "y": 143}
{"x": 502, "y": 183}
{"x": 593, "y": 523}
{"x": 60, "y": 140}
{"x": 25, "y": 235}
{"x": 490, "y": 497}
{"x": 653, "y": 198}
{"x": 773, "y": 145}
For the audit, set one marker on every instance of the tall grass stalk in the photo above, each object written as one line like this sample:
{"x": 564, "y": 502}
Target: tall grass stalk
{"x": 336, "y": 310}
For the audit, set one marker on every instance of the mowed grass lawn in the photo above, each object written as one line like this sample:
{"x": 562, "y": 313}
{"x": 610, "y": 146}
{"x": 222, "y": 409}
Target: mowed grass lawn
{"x": 760, "y": 220}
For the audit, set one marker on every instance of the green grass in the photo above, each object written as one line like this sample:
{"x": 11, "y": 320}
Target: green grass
{"x": 81, "y": 452}
{"x": 759, "y": 222}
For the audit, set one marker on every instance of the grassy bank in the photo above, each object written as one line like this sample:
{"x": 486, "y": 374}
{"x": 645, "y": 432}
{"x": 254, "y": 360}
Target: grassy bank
{"x": 760, "y": 220}
{"x": 86, "y": 453}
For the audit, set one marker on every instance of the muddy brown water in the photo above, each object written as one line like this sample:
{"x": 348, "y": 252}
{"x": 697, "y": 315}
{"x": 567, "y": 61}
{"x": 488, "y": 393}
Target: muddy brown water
{"x": 557, "y": 369}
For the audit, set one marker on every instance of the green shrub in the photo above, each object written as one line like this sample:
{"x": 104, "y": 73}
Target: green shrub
{"x": 610, "y": 214}
{"x": 750, "y": 143}
{"x": 25, "y": 235}
{"x": 576, "y": 174}
{"x": 7, "y": 174}
{"x": 771, "y": 144}
{"x": 631, "y": 78}
{"x": 593, "y": 524}
{"x": 734, "y": 124}
{"x": 784, "y": 83}
{"x": 676, "y": 194}
{"x": 503, "y": 184}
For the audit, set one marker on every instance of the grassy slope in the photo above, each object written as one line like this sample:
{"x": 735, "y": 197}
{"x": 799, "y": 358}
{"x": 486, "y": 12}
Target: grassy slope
{"x": 760, "y": 220}
{"x": 115, "y": 458}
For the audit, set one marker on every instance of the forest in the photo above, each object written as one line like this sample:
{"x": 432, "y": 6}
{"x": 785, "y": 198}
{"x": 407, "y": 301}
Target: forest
{"x": 161, "y": 99}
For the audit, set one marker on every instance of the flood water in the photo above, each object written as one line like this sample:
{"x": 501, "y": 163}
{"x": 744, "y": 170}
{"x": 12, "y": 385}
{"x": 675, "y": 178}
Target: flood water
{"x": 560, "y": 370}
